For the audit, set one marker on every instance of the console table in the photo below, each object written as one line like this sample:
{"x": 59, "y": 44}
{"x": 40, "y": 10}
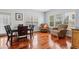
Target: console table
{"x": 75, "y": 38}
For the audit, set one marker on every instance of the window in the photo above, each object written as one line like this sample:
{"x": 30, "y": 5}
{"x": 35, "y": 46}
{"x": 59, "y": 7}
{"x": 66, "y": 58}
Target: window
{"x": 66, "y": 20}
{"x": 51, "y": 20}
{"x": 69, "y": 19}
{"x": 58, "y": 20}
{"x": 4, "y": 20}
{"x": 72, "y": 20}
{"x": 73, "y": 16}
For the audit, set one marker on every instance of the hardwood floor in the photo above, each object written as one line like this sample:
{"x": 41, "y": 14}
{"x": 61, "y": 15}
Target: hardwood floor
{"x": 39, "y": 41}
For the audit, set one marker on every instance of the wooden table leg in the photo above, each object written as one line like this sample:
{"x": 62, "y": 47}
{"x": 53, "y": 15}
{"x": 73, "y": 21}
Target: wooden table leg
{"x": 11, "y": 40}
{"x": 31, "y": 32}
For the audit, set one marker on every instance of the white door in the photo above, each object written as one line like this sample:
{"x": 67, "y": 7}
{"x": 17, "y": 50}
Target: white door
{"x": 4, "y": 20}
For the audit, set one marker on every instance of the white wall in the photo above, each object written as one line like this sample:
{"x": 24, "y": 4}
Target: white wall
{"x": 26, "y": 12}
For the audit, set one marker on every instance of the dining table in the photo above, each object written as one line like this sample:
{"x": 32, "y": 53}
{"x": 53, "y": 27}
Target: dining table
{"x": 16, "y": 30}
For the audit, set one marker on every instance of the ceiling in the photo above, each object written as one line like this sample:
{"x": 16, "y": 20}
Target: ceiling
{"x": 42, "y": 10}
{"x": 54, "y": 10}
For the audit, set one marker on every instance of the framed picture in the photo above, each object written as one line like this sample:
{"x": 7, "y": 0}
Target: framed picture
{"x": 19, "y": 16}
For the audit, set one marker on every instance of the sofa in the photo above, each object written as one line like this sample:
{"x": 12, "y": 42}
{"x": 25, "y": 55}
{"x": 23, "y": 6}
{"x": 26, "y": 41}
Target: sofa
{"x": 57, "y": 31}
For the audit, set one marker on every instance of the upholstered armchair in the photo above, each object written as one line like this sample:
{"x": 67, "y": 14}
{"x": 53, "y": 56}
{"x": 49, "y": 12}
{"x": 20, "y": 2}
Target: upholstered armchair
{"x": 60, "y": 31}
{"x": 44, "y": 28}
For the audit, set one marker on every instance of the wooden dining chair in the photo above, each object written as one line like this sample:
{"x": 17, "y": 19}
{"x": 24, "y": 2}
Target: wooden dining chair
{"x": 22, "y": 32}
{"x": 32, "y": 31}
{"x": 32, "y": 27}
{"x": 9, "y": 32}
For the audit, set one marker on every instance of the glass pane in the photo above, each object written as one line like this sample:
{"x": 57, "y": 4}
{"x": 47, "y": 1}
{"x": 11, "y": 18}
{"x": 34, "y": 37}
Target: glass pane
{"x": 51, "y": 20}
{"x": 51, "y": 23}
{"x": 72, "y": 21}
{"x": 58, "y": 20}
{"x": 66, "y": 20}
{"x": 58, "y": 23}
{"x": 73, "y": 16}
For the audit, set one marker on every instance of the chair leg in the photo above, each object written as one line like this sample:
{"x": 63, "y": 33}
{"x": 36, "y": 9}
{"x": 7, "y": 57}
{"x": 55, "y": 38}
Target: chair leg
{"x": 26, "y": 37}
{"x": 32, "y": 36}
{"x": 17, "y": 39}
{"x": 7, "y": 40}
